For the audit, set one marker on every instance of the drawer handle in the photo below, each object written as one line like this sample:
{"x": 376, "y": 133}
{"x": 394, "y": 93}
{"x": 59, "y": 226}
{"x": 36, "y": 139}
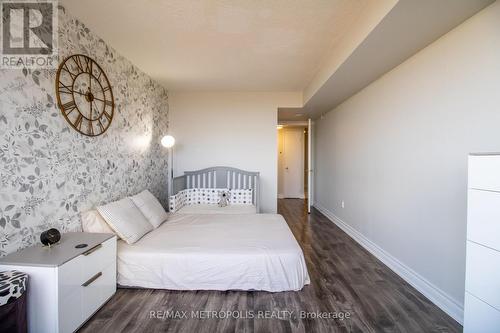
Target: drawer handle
{"x": 92, "y": 279}
{"x": 92, "y": 250}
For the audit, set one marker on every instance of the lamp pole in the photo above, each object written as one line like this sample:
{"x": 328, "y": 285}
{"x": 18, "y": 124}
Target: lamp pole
{"x": 168, "y": 141}
{"x": 171, "y": 173}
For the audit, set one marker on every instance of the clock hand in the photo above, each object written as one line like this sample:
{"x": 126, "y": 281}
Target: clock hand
{"x": 95, "y": 105}
{"x": 79, "y": 92}
{"x": 99, "y": 99}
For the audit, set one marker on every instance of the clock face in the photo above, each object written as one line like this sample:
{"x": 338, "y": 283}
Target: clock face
{"x": 84, "y": 95}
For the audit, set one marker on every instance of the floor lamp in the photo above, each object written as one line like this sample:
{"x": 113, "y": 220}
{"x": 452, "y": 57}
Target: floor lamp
{"x": 168, "y": 141}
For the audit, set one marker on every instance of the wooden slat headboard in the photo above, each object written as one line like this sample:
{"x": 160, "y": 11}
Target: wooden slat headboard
{"x": 220, "y": 177}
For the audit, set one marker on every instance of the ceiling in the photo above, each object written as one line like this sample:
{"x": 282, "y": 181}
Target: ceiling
{"x": 409, "y": 26}
{"x": 328, "y": 50}
{"x": 222, "y": 45}
{"x": 292, "y": 114}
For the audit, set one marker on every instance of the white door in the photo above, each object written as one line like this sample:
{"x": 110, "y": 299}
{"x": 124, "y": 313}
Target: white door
{"x": 292, "y": 164}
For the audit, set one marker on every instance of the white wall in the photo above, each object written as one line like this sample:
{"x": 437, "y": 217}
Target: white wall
{"x": 230, "y": 129}
{"x": 397, "y": 151}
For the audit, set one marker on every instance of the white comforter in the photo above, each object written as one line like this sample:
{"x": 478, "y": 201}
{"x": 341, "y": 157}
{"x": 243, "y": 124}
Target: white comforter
{"x": 215, "y": 252}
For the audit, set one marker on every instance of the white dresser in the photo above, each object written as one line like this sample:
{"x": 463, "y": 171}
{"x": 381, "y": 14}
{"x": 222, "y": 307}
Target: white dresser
{"x": 67, "y": 285}
{"x": 482, "y": 283}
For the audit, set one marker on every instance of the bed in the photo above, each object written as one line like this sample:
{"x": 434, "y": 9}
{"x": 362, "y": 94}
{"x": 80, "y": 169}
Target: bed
{"x": 206, "y": 247}
{"x": 215, "y": 252}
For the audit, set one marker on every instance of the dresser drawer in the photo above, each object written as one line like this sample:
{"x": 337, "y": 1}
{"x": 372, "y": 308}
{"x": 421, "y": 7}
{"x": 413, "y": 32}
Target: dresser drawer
{"x": 484, "y": 172}
{"x": 70, "y": 295}
{"x": 483, "y": 218}
{"x": 479, "y": 316}
{"x": 483, "y": 276}
{"x": 97, "y": 290}
{"x": 98, "y": 258}
{"x": 69, "y": 277}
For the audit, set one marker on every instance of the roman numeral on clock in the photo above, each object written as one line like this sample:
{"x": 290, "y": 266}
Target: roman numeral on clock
{"x": 88, "y": 65}
{"x": 65, "y": 67}
{"x": 69, "y": 107}
{"x": 101, "y": 125}
{"x": 65, "y": 89}
{"x": 78, "y": 63}
{"x": 78, "y": 122}
{"x": 107, "y": 115}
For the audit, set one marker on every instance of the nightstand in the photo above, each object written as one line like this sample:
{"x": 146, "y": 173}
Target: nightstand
{"x": 67, "y": 285}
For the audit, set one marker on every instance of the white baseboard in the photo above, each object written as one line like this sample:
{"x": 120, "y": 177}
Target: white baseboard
{"x": 437, "y": 296}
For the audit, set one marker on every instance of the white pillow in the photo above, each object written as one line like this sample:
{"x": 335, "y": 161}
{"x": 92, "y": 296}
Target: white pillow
{"x": 126, "y": 220}
{"x": 92, "y": 221}
{"x": 150, "y": 207}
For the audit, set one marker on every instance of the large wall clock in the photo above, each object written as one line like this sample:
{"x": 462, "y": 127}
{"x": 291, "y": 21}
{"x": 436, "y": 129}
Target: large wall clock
{"x": 84, "y": 95}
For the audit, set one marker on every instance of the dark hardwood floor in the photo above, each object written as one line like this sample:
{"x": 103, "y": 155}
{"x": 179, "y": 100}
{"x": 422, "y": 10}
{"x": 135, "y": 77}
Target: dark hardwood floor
{"x": 345, "y": 279}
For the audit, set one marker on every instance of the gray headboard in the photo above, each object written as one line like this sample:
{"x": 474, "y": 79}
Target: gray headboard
{"x": 220, "y": 177}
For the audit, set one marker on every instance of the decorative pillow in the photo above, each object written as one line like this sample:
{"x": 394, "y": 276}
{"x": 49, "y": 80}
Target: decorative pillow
{"x": 241, "y": 196}
{"x": 150, "y": 207}
{"x": 126, "y": 220}
{"x": 92, "y": 221}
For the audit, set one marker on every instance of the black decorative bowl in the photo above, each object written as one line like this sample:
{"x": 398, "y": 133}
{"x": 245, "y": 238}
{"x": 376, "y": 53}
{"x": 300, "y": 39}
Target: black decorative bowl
{"x": 50, "y": 237}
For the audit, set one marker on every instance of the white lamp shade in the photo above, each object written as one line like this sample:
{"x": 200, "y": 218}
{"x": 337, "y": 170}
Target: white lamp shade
{"x": 168, "y": 141}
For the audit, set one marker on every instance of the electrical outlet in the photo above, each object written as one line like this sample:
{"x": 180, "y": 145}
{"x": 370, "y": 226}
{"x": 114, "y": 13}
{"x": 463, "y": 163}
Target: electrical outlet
{"x": 342, "y": 204}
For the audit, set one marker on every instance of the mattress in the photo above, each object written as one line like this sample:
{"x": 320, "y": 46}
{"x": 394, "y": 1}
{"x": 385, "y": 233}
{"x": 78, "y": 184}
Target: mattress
{"x": 215, "y": 209}
{"x": 215, "y": 252}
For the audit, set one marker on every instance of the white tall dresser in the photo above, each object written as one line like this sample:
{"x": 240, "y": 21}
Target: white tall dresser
{"x": 482, "y": 283}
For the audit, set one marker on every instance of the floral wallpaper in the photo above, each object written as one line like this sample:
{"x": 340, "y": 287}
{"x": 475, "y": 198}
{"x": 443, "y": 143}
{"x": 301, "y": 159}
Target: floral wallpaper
{"x": 49, "y": 173}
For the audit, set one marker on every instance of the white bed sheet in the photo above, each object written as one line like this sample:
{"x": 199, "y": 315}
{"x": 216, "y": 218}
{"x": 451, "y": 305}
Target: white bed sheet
{"x": 215, "y": 209}
{"x": 215, "y": 252}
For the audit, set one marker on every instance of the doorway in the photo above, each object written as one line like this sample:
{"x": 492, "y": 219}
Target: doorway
{"x": 292, "y": 161}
